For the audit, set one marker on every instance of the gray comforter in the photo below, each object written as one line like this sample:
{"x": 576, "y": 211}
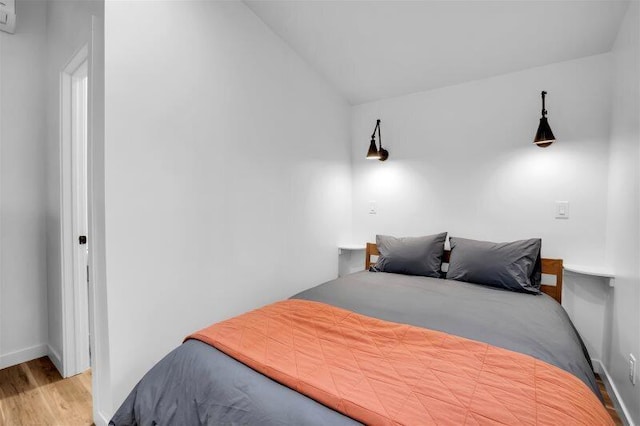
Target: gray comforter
{"x": 197, "y": 384}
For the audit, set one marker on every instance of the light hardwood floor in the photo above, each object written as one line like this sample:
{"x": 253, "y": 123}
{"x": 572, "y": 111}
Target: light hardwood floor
{"x": 607, "y": 401}
{"x": 34, "y": 393}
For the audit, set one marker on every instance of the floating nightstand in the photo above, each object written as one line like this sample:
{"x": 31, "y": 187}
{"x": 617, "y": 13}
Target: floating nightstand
{"x": 592, "y": 271}
{"x": 350, "y": 258}
{"x": 350, "y": 247}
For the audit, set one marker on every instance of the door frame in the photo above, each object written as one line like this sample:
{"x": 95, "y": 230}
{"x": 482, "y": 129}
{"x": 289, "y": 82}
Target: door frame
{"x": 74, "y": 300}
{"x": 93, "y": 51}
{"x": 98, "y": 318}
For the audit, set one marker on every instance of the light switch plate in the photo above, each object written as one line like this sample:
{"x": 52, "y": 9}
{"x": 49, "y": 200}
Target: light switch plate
{"x": 562, "y": 210}
{"x": 373, "y": 207}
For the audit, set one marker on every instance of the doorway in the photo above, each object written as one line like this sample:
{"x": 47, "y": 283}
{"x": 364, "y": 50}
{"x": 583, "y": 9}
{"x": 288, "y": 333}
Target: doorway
{"x": 74, "y": 208}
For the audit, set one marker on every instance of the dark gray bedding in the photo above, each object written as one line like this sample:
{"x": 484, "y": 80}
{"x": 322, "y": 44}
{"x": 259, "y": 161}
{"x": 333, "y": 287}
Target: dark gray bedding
{"x": 197, "y": 384}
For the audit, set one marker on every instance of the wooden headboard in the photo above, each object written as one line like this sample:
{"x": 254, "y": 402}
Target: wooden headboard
{"x": 549, "y": 267}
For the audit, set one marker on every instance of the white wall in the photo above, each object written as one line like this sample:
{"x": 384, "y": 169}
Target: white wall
{"x": 23, "y": 292}
{"x": 226, "y": 171}
{"x": 623, "y": 224}
{"x": 68, "y": 30}
{"x": 462, "y": 160}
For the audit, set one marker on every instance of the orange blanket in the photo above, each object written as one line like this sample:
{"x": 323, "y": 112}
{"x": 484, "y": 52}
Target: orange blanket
{"x": 379, "y": 372}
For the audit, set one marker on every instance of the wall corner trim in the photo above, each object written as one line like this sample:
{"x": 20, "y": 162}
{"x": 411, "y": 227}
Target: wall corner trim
{"x": 55, "y": 358}
{"x": 101, "y": 419}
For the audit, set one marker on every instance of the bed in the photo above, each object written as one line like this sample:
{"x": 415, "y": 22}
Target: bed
{"x": 199, "y": 384}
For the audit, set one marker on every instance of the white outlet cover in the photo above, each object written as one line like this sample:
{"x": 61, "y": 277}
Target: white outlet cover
{"x": 8, "y": 16}
{"x": 10, "y": 25}
{"x": 8, "y": 5}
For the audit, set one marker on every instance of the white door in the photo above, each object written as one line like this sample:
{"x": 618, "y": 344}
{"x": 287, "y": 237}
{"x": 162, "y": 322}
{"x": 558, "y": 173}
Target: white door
{"x": 79, "y": 126}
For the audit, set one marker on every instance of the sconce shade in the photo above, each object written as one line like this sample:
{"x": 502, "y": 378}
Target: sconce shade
{"x": 544, "y": 135}
{"x": 383, "y": 154}
{"x": 373, "y": 151}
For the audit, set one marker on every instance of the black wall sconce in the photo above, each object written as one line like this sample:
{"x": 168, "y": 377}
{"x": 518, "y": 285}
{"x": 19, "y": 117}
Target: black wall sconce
{"x": 544, "y": 135}
{"x": 374, "y": 153}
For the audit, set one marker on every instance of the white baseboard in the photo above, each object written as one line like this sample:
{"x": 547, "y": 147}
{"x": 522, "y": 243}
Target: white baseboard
{"x": 610, "y": 385}
{"x": 55, "y": 358}
{"x": 101, "y": 419}
{"x": 23, "y": 355}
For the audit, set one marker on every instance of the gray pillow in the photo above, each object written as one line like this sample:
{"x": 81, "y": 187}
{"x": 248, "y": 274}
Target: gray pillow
{"x": 514, "y": 266}
{"x": 411, "y": 255}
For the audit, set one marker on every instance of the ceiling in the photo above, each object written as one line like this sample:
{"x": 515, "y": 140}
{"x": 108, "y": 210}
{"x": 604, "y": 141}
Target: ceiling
{"x": 371, "y": 50}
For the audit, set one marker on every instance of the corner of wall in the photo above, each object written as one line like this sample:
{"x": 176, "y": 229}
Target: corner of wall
{"x": 623, "y": 212}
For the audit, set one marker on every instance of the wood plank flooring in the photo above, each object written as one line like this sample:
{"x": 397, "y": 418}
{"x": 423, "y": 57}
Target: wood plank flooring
{"x": 34, "y": 393}
{"x": 607, "y": 401}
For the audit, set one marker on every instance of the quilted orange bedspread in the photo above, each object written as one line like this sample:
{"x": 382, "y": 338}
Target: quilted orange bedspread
{"x": 380, "y": 372}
